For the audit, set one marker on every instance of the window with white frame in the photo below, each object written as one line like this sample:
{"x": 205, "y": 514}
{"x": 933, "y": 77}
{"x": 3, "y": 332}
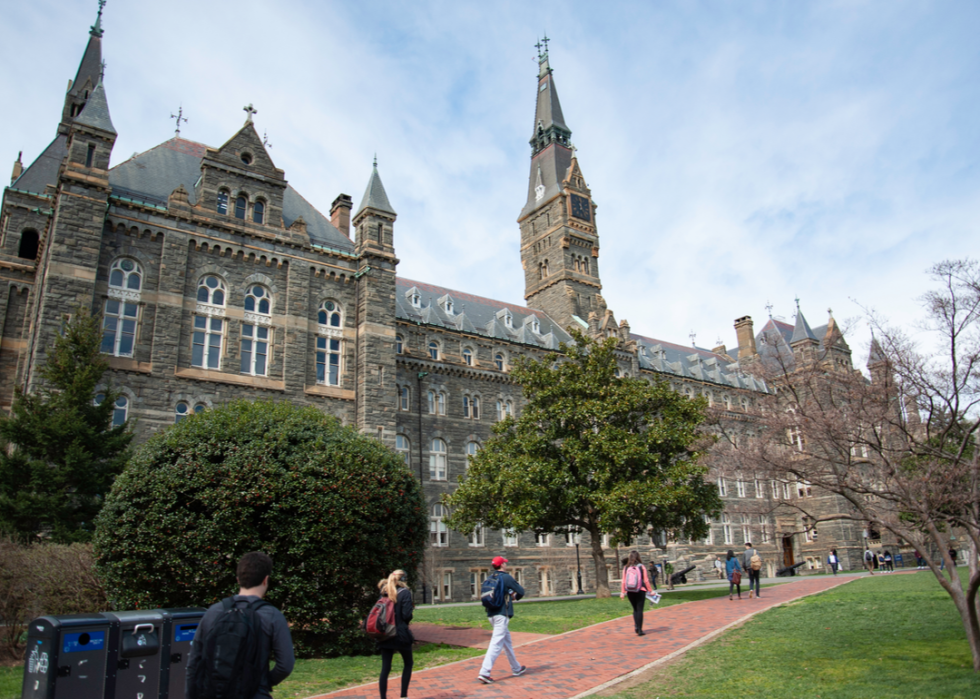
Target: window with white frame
{"x": 125, "y": 274}
{"x": 119, "y": 327}
{"x": 804, "y": 489}
{"x": 258, "y": 300}
{"x": 542, "y": 539}
{"x": 431, "y": 397}
{"x": 573, "y": 536}
{"x": 404, "y": 398}
{"x": 181, "y": 410}
{"x": 786, "y": 491}
{"x": 416, "y": 300}
{"x": 508, "y": 408}
{"x": 498, "y": 361}
{"x": 475, "y": 407}
{"x": 722, "y": 487}
{"x": 775, "y": 490}
{"x": 437, "y": 460}
{"x": 467, "y": 356}
{"x": 740, "y": 487}
{"x": 518, "y": 575}
{"x": 765, "y": 529}
{"x": 726, "y": 525}
{"x": 471, "y": 449}
{"x": 606, "y": 541}
{"x": 500, "y": 410}
{"x": 746, "y": 529}
{"x": 433, "y": 350}
{"x": 331, "y": 315}
{"x": 328, "y": 362}
{"x": 443, "y": 591}
{"x": 206, "y": 342}
{"x": 438, "y": 532}
{"x": 399, "y": 344}
{"x": 441, "y": 403}
{"x": 466, "y": 406}
{"x": 255, "y": 349}
{"x": 211, "y": 291}
{"x": 477, "y": 576}
{"x": 547, "y": 582}
{"x": 478, "y": 536}
{"x": 403, "y": 446}
{"x": 709, "y": 539}
{"x": 760, "y": 489}
{"x": 120, "y": 410}
{"x": 510, "y": 537}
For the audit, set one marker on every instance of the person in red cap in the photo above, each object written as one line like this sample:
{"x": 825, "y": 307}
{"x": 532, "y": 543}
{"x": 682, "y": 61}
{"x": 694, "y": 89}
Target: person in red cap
{"x": 502, "y": 584}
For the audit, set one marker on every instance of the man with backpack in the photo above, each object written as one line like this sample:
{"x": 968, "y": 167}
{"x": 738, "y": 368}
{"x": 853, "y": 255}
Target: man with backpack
{"x": 498, "y": 593}
{"x": 235, "y": 640}
{"x": 869, "y": 561}
{"x": 752, "y": 562}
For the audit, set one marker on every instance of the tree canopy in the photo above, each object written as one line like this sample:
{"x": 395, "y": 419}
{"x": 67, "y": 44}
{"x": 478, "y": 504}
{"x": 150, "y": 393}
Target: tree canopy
{"x": 59, "y": 451}
{"x": 590, "y": 451}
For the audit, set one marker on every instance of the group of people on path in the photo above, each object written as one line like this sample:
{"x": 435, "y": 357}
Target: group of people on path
{"x": 751, "y": 564}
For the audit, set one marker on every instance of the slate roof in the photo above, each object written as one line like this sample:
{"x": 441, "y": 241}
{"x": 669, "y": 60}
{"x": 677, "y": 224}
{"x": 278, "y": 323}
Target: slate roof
{"x": 475, "y": 314}
{"x": 96, "y": 111}
{"x": 375, "y": 196}
{"x": 801, "y": 331}
{"x": 692, "y": 363}
{"x": 151, "y": 176}
{"x": 44, "y": 170}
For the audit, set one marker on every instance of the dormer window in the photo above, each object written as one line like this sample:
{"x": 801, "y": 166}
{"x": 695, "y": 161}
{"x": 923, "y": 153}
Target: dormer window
{"x": 449, "y": 306}
{"x": 241, "y": 204}
{"x": 417, "y": 300}
{"x": 508, "y": 320}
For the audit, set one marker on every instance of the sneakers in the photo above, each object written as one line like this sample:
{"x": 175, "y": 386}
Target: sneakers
{"x": 485, "y": 679}
{"x": 521, "y": 671}
{"x": 751, "y": 593}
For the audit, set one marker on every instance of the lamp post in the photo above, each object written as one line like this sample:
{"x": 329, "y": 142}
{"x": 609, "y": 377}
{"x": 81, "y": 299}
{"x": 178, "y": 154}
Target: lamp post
{"x": 578, "y": 569}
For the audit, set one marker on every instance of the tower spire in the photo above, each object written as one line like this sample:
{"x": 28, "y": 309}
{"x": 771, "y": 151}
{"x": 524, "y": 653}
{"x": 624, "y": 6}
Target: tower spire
{"x": 96, "y": 29}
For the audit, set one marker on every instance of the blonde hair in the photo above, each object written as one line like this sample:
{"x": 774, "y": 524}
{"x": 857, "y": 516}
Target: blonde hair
{"x": 391, "y": 585}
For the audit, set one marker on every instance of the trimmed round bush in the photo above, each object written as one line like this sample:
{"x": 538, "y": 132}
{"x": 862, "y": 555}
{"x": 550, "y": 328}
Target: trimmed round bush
{"x": 336, "y": 510}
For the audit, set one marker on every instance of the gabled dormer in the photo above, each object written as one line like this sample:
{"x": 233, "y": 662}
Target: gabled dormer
{"x": 240, "y": 184}
{"x": 414, "y": 297}
{"x": 447, "y": 304}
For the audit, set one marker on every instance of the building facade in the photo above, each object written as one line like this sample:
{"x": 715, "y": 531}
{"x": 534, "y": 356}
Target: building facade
{"x": 216, "y": 280}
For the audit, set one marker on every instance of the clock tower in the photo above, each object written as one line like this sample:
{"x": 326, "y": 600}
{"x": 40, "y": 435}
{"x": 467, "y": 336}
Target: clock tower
{"x": 559, "y": 240}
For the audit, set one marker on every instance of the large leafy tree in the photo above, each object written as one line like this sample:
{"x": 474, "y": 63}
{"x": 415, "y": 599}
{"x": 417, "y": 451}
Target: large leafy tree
{"x": 59, "y": 452}
{"x": 590, "y": 451}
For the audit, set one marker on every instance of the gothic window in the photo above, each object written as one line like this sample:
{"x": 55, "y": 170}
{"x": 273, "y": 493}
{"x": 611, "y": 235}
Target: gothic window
{"x": 475, "y": 407}
{"x": 331, "y": 315}
{"x": 498, "y": 360}
{"x": 28, "y": 245}
{"x": 206, "y": 341}
{"x": 258, "y": 300}
{"x": 764, "y": 528}
{"x": 223, "y": 201}
{"x": 200, "y": 408}
{"x": 434, "y": 350}
{"x": 760, "y": 489}
{"x": 585, "y": 265}
{"x": 328, "y": 363}
{"x": 500, "y": 410}
{"x": 437, "y": 460}
{"x": 438, "y": 533}
{"x": 120, "y": 410}
{"x": 544, "y": 270}
{"x": 466, "y": 406}
{"x": 125, "y": 274}
{"x": 258, "y": 212}
{"x": 403, "y": 446}
{"x": 211, "y": 290}
{"x": 471, "y": 449}
{"x": 399, "y": 344}
{"x": 405, "y": 396}
{"x": 241, "y": 204}
{"x": 468, "y": 356}
{"x": 181, "y": 411}
{"x": 726, "y": 526}
{"x": 255, "y": 349}
{"x": 431, "y": 395}
{"x": 441, "y": 403}
{"x": 445, "y": 591}
{"x": 119, "y": 328}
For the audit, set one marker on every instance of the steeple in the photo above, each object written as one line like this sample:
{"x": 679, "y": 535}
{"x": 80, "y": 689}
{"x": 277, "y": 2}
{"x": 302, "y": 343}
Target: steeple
{"x": 374, "y": 221}
{"x": 877, "y": 355}
{"x": 375, "y": 196}
{"x": 96, "y": 111}
{"x": 88, "y": 75}
{"x": 802, "y": 330}
{"x": 549, "y": 123}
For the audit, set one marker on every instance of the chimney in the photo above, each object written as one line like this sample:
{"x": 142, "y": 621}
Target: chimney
{"x": 18, "y": 168}
{"x": 340, "y": 213}
{"x": 746, "y": 337}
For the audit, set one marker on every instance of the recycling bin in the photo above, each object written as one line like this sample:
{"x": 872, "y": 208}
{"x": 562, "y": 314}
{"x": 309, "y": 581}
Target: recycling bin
{"x": 67, "y": 657}
{"x": 134, "y": 670}
{"x": 179, "y": 631}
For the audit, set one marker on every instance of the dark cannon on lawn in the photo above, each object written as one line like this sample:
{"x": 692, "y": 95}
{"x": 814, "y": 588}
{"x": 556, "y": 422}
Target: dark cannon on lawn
{"x": 788, "y": 571}
{"x": 681, "y": 577}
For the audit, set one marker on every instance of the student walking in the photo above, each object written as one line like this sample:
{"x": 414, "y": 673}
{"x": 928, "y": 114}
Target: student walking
{"x": 501, "y": 585}
{"x": 833, "y": 561}
{"x": 209, "y": 664}
{"x": 635, "y": 584}
{"x": 869, "y": 560}
{"x": 889, "y": 564}
{"x": 654, "y": 572}
{"x": 752, "y": 564}
{"x": 734, "y": 571}
{"x": 395, "y": 588}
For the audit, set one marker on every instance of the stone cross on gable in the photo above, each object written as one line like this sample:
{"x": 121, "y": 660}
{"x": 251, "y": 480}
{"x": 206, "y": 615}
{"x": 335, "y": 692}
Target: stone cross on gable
{"x": 250, "y": 110}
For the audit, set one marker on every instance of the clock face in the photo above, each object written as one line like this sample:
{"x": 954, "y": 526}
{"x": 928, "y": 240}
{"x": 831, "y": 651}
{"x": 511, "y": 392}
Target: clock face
{"x": 581, "y": 208}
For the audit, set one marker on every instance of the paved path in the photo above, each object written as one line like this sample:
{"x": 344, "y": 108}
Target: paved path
{"x": 478, "y": 637}
{"x": 570, "y": 664}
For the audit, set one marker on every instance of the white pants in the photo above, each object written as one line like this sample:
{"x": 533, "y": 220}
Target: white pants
{"x": 500, "y": 641}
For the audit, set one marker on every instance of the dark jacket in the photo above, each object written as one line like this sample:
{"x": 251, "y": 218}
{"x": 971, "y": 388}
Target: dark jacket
{"x": 274, "y": 643}
{"x": 512, "y": 591}
{"x": 403, "y": 616}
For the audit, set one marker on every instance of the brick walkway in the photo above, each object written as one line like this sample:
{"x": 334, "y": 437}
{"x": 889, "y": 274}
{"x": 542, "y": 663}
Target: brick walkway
{"x": 572, "y": 663}
{"x": 469, "y": 637}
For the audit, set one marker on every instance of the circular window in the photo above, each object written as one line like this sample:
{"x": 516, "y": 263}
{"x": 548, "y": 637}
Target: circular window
{"x": 127, "y": 265}
{"x": 247, "y": 158}
{"x": 212, "y": 282}
{"x": 257, "y": 291}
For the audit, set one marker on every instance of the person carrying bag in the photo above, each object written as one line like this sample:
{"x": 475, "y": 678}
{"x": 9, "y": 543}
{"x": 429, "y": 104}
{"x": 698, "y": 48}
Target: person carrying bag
{"x": 635, "y": 584}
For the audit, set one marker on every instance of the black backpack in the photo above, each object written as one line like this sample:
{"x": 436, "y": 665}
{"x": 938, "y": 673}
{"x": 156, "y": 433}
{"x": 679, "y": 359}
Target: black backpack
{"x": 231, "y": 665}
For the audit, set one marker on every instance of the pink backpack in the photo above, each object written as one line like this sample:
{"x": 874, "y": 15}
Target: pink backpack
{"x": 634, "y": 579}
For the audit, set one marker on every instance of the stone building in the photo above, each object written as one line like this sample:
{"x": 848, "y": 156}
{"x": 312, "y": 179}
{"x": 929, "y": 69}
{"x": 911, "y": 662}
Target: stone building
{"x": 216, "y": 280}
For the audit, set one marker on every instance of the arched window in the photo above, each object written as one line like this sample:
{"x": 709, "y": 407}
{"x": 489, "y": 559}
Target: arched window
{"x": 328, "y": 361}
{"x": 258, "y": 300}
{"x": 330, "y": 314}
{"x": 438, "y": 533}
{"x": 432, "y": 402}
{"x": 241, "y": 204}
{"x": 200, "y": 408}
{"x": 223, "y": 201}
{"x": 437, "y": 460}
{"x": 500, "y": 410}
{"x": 28, "y": 245}
{"x": 498, "y": 360}
{"x": 211, "y": 290}
{"x": 434, "y": 350}
{"x": 120, "y": 410}
{"x": 472, "y": 448}
{"x": 466, "y": 406}
{"x": 468, "y": 356}
{"x": 125, "y": 274}
{"x": 585, "y": 265}
{"x": 258, "y": 212}
{"x": 181, "y": 411}
{"x": 475, "y": 401}
{"x": 544, "y": 270}
{"x": 403, "y": 446}
{"x": 399, "y": 344}
{"x": 405, "y": 397}
{"x": 441, "y": 402}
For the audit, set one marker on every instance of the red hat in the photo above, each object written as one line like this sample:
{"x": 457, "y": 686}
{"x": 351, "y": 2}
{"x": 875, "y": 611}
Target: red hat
{"x": 499, "y": 561}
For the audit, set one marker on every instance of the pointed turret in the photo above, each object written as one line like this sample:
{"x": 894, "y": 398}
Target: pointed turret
{"x": 88, "y": 75}
{"x": 375, "y": 196}
{"x": 802, "y": 329}
{"x": 549, "y": 122}
{"x": 96, "y": 111}
{"x": 876, "y": 355}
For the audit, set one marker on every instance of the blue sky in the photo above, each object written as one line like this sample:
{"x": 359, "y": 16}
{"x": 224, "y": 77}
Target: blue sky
{"x": 739, "y": 152}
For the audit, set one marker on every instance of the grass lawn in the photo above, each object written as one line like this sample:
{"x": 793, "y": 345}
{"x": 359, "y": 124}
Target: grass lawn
{"x": 884, "y": 636}
{"x": 312, "y": 676}
{"x": 556, "y": 617}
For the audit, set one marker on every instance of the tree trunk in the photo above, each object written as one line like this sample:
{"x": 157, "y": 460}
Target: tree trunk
{"x": 599, "y": 558}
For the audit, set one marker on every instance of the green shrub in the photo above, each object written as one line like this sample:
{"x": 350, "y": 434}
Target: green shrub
{"x": 336, "y": 510}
